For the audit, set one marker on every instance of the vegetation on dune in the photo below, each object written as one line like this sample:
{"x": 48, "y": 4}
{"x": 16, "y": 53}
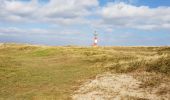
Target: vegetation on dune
{"x": 38, "y": 72}
{"x": 159, "y": 63}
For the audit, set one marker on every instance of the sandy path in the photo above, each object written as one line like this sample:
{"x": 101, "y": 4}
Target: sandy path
{"x": 115, "y": 87}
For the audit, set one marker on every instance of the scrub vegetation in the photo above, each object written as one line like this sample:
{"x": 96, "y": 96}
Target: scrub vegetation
{"x": 30, "y": 72}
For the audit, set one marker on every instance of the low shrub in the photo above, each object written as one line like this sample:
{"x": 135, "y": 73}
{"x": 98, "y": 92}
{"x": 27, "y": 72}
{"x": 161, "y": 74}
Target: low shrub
{"x": 161, "y": 65}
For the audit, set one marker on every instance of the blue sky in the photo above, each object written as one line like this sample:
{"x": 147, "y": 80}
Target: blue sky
{"x": 72, "y": 22}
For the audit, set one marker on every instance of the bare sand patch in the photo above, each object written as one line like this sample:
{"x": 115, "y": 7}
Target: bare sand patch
{"x": 116, "y": 87}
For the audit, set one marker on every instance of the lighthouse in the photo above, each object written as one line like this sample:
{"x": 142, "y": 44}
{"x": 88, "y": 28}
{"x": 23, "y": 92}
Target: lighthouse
{"x": 95, "y": 39}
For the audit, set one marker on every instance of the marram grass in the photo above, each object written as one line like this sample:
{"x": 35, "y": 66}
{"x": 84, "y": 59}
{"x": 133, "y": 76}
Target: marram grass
{"x": 53, "y": 73}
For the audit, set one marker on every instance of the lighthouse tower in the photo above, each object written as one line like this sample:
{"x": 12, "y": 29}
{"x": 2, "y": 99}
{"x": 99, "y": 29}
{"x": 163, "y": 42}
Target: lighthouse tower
{"x": 95, "y": 39}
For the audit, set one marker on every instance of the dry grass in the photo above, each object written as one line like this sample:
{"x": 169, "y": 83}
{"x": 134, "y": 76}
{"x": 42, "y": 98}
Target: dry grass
{"x": 43, "y": 72}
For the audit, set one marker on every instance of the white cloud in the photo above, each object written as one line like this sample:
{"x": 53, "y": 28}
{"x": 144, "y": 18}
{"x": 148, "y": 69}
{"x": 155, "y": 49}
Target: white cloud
{"x": 14, "y": 31}
{"x": 123, "y": 15}
{"x": 65, "y": 12}
{"x": 55, "y": 11}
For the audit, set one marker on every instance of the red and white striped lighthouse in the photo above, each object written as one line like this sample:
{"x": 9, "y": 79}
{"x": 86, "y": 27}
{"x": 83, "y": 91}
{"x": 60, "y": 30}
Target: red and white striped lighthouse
{"x": 95, "y": 39}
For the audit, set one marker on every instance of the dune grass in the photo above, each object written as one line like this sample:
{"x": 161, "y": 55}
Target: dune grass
{"x": 54, "y": 73}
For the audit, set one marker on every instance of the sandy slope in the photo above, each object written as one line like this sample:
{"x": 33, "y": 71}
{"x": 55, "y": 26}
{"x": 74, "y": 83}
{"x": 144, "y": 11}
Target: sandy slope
{"x": 116, "y": 87}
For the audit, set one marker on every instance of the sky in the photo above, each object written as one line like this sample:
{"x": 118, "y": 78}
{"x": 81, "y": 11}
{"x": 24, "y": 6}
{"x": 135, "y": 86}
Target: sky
{"x": 73, "y": 22}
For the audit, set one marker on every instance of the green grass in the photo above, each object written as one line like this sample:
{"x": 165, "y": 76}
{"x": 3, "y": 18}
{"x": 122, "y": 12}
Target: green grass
{"x": 42, "y": 72}
{"x": 54, "y": 73}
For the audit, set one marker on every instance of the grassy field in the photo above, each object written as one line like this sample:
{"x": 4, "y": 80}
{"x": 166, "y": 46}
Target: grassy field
{"x": 30, "y": 72}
